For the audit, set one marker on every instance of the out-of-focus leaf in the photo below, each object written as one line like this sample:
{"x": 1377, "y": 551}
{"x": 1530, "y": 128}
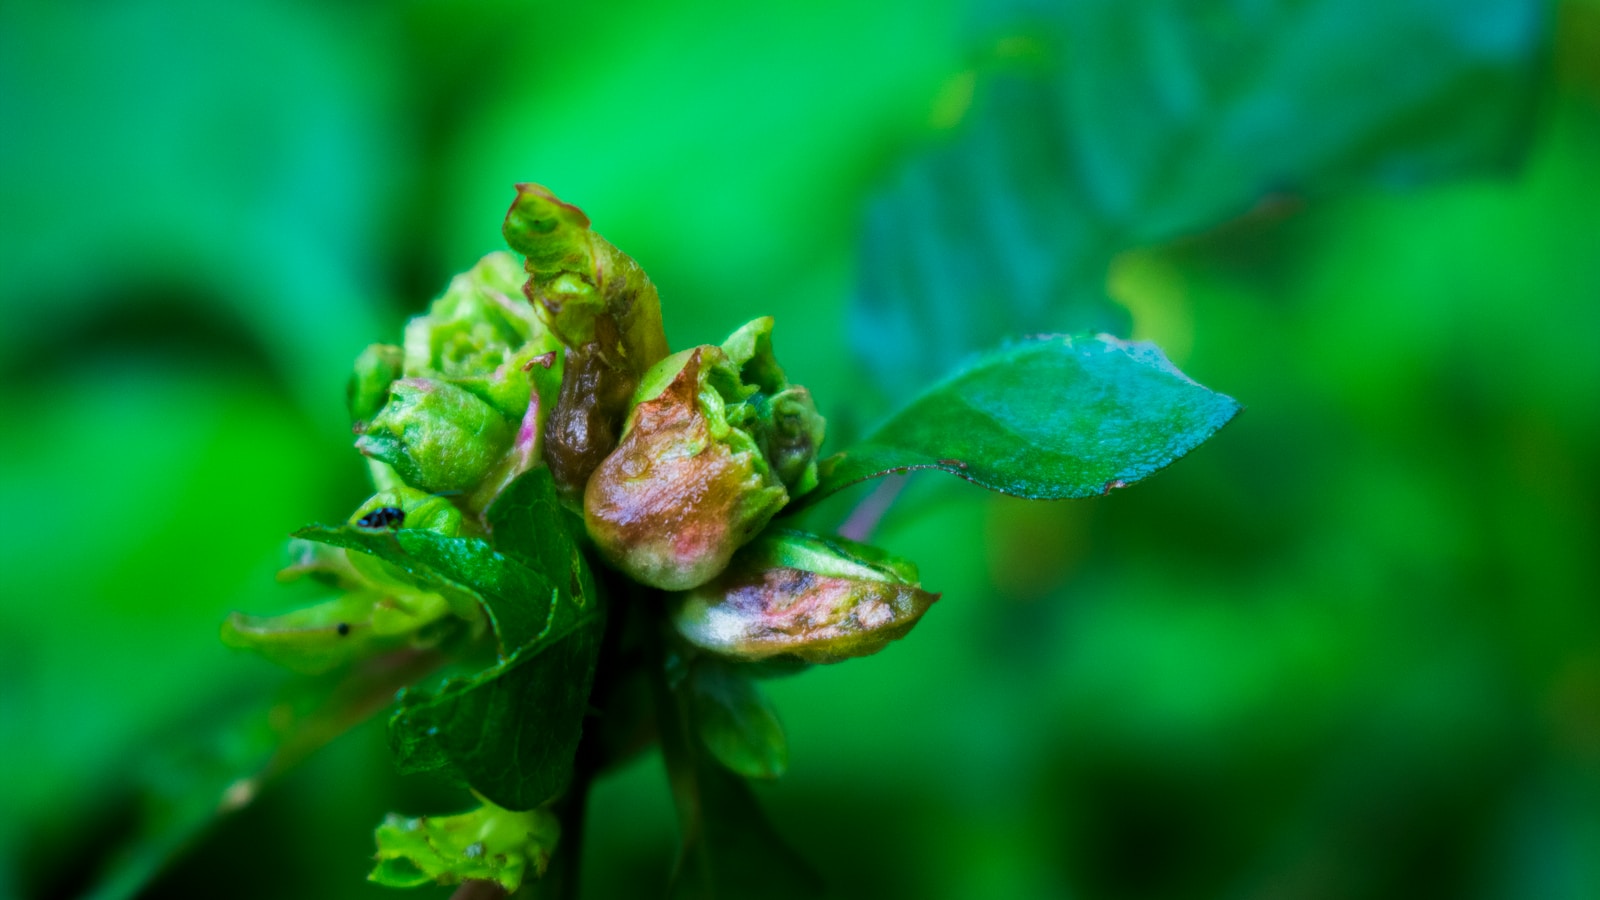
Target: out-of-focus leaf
{"x": 330, "y": 634}
{"x": 1099, "y": 126}
{"x": 510, "y": 732}
{"x": 187, "y": 789}
{"x": 1046, "y": 418}
{"x": 728, "y": 849}
{"x": 489, "y": 844}
{"x": 735, "y": 722}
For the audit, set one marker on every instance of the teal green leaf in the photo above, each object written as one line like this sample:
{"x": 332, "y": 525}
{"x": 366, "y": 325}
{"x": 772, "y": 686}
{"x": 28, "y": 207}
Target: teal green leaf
{"x": 1046, "y": 418}
{"x": 1101, "y": 126}
{"x": 487, "y": 844}
{"x": 735, "y": 721}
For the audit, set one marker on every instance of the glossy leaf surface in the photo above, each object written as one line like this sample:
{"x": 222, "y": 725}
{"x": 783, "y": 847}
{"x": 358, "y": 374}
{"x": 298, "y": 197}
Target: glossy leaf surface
{"x": 511, "y": 730}
{"x": 1047, "y": 418}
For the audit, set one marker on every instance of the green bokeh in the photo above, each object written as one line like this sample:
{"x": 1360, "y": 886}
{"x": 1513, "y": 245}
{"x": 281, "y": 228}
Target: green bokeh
{"x": 1348, "y": 648}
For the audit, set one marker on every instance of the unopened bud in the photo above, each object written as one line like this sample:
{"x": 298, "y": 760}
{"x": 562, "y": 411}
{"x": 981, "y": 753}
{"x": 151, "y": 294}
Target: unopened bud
{"x": 801, "y": 596}
{"x": 437, "y": 436}
{"x": 481, "y": 335}
{"x": 684, "y": 489}
{"x": 376, "y": 369}
{"x": 717, "y": 442}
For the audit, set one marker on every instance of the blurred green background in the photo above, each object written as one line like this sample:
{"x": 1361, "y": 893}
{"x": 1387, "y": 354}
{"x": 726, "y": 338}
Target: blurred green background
{"x": 1348, "y": 648}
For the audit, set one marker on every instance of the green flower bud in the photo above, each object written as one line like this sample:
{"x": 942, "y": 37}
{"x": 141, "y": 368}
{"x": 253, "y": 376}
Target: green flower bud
{"x": 376, "y": 368}
{"x": 437, "y": 436}
{"x": 603, "y": 307}
{"x": 481, "y": 335}
{"x": 684, "y": 488}
{"x": 802, "y": 596}
{"x": 418, "y": 509}
{"x": 781, "y": 417}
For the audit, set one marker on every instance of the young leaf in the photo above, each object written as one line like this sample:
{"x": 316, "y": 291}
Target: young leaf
{"x": 1046, "y": 418}
{"x": 488, "y": 844}
{"x": 509, "y": 732}
{"x": 736, "y": 722}
{"x": 194, "y": 783}
{"x": 355, "y": 625}
{"x": 468, "y": 572}
{"x": 410, "y": 551}
{"x": 1101, "y": 125}
{"x": 729, "y": 848}
{"x": 530, "y": 525}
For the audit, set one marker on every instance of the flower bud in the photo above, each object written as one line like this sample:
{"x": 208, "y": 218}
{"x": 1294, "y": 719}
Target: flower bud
{"x": 437, "y": 436}
{"x": 684, "y": 489}
{"x": 376, "y": 368}
{"x": 781, "y": 417}
{"x": 481, "y": 335}
{"x": 715, "y": 442}
{"x": 802, "y": 596}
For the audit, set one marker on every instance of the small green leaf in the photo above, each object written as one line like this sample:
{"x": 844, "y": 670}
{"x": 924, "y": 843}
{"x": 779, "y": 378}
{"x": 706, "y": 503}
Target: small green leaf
{"x": 409, "y": 551}
{"x": 736, "y": 722}
{"x": 729, "y": 849}
{"x": 1046, "y": 418}
{"x": 354, "y": 625}
{"x": 530, "y": 525}
{"x": 511, "y": 731}
{"x": 488, "y": 844}
{"x": 467, "y": 572}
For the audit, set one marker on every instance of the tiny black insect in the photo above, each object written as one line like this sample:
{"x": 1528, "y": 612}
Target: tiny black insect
{"x": 343, "y": 629}
{"x": 383, "y": 517}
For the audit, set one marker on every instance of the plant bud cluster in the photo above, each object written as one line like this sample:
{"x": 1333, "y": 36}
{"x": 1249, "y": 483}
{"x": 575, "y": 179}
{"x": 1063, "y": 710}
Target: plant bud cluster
{"x": 678, "y": 462}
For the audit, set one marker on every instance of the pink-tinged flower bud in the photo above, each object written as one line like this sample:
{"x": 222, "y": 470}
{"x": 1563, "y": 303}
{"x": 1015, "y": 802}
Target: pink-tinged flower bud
{"x": 684, "y": 489}
{"x": 791, "y": 595}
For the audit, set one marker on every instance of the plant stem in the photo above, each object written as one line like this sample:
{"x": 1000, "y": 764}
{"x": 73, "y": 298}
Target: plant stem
{"x": 865, "y": 517}
{"x": 477, "y": 889}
